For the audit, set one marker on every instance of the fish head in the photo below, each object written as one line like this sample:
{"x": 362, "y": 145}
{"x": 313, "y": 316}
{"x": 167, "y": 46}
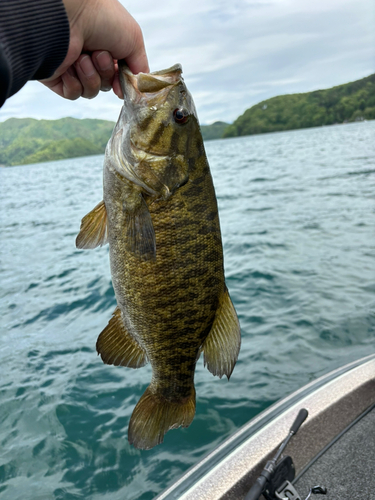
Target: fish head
{"x": 156, "y": 126}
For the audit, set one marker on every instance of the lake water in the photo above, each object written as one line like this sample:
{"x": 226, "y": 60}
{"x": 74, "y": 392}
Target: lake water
{"x": 297, "y": 217}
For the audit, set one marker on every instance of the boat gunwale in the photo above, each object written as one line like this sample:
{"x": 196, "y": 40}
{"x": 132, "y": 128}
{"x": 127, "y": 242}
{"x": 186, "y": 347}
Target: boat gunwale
{"x": 199, "y": 482}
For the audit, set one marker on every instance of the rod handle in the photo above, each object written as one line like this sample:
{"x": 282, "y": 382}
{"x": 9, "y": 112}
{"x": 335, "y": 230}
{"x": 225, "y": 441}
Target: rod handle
{"x": 256, "y": 489}
{"x": 301, "y": 417}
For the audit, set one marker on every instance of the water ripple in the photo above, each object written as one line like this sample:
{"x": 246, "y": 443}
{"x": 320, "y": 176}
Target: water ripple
{"x": 296, "y": 212}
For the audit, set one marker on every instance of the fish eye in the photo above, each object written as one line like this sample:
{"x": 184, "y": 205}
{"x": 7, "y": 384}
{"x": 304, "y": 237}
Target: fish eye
{"x": 180, "y": 115}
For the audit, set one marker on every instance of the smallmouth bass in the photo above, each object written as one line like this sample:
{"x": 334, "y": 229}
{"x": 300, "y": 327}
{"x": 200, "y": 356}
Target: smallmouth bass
{"x": 159, "y": 215}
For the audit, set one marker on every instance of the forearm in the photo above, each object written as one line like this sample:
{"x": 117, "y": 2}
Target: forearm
{"x": 34, "y": 40}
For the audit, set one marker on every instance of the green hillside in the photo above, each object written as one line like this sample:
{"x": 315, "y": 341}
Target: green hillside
{"x": 26, "y": 140}
{"x": 350, "y": 102}
{"x": 214, "y": 131}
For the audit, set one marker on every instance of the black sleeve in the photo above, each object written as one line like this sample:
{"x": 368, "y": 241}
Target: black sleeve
{"x": 34, "y": 40}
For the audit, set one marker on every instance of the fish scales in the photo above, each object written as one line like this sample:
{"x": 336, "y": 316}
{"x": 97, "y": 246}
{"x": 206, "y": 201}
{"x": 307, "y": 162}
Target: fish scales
{"x": 164, "y": 287}
{"x": 161, "y": 220}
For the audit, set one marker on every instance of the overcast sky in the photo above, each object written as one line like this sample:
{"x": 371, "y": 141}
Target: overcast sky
{"x": 234, "y": 53}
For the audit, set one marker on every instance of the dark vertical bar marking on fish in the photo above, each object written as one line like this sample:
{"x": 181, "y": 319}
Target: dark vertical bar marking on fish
{"x": 144, "y": 124}
{"x": 157, "y": 136}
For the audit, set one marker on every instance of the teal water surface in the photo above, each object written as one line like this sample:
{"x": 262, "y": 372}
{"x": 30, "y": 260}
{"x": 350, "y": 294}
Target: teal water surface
{"x": 297, "y": 217}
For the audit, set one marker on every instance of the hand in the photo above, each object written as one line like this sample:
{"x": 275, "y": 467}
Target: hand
{"x": 101, "y": 32}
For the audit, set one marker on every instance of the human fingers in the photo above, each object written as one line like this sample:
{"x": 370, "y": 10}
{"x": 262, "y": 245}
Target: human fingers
{"x": 66, "y": 85}
{"x": 136, "y": 58}
{"x": 105, "y": 66}
{"x": 116, "y": 85}
{"x": 99, "y": 27}
{"x": 88, "y": 76}
{"x": 71, "y": 86}
{"x": 106, "y": 25}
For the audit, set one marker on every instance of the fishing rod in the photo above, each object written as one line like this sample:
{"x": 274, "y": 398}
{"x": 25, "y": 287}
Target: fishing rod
{"x": 274, "y": 480}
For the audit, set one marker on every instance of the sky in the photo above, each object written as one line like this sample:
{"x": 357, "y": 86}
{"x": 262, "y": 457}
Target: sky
{"x": 234, "y": 54}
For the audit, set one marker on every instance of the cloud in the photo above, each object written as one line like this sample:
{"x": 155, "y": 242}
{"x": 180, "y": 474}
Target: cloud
{"x": 235, "y": 54}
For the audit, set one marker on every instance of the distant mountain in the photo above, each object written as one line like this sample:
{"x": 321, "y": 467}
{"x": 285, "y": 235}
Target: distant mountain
{"x": 350, "y": 102}
{"x": 26, "y": 140}
{"x": 214, "y": 131}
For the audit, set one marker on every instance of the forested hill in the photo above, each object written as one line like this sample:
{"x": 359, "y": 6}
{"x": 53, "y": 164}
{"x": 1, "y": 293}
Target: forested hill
{"x": 350, "y": 102}
{"x": 213, "y": 131}
{"x": 26, "y": 140}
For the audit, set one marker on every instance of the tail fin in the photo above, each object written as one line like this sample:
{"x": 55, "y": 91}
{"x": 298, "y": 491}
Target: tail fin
{"x": 154, "y": 416}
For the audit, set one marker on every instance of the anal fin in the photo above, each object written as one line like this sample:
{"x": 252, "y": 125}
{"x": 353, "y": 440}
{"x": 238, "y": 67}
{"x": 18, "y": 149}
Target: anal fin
{"x": 94, "y": 228}
{"x": 117, "y": 347}
{"x": 222, "y": 344}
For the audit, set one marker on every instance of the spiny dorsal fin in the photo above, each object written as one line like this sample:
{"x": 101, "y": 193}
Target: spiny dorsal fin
{"x": 117, "y": 347}
{"x": 222, "y": 344}
{"x": 154, "y": 415}
{"x": 94, "y": 229}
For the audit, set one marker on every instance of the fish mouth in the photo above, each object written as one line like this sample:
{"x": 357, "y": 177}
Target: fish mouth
{"x": 148, "y": 85}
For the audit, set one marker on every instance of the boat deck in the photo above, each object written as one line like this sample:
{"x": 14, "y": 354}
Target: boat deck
{"x": 347, "y": 467}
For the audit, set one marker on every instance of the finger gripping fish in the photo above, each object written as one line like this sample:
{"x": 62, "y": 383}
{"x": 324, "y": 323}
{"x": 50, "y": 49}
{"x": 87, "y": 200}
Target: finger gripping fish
{"x": 159, "y": 215}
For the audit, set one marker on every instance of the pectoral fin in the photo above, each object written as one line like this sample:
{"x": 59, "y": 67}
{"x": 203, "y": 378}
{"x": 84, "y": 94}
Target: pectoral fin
{"x": 117, "y": 347}
{"x": 222, "y": 344}
{"x": 94, "y": 229}
{"x": 139, "y": 230}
